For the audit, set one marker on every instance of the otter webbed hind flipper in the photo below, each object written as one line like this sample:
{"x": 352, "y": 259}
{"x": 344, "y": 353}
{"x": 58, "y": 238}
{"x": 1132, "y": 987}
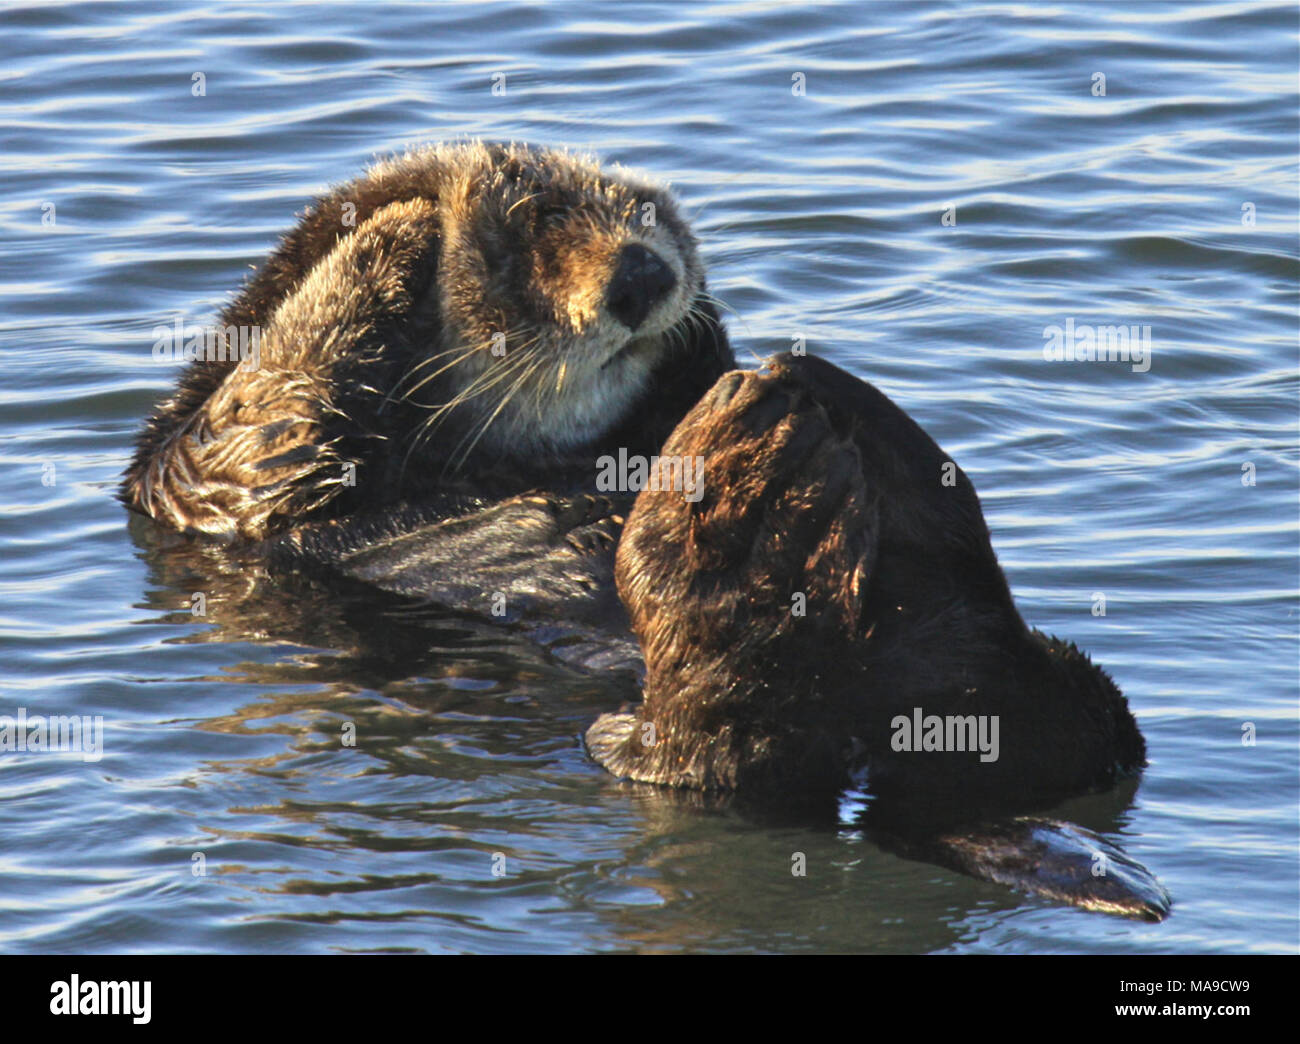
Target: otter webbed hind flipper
{"x": 1054, "y": 860}
{"x": 529, "y": 557}
{"x": 743, "y": 686}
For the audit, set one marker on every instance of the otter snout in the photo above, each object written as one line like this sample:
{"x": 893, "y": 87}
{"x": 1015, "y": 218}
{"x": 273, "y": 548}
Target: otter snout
{"x": 641, "y": 280}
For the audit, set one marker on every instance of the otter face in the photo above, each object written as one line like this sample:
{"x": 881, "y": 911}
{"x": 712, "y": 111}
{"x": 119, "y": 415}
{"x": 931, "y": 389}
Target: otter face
{"x": 562, "y": 287}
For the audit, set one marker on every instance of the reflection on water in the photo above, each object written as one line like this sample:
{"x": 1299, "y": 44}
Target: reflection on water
{"x": 466, "y": 700}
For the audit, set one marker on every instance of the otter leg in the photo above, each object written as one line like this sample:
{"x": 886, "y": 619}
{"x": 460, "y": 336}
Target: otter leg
{"x": 819, "y": 493}
{"x": 285, "y": 433}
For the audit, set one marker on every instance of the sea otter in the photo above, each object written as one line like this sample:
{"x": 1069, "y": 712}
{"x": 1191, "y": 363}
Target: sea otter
{"x": 450, "y": 345}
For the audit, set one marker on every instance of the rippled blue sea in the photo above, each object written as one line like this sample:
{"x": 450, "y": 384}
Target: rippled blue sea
{"x": 918, "y": 190}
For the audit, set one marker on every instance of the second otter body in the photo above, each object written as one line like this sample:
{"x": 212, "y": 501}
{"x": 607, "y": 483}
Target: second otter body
{"x": 449, "y": 347}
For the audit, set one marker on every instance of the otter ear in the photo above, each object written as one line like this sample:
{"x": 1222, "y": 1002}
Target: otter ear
{"x": 277, "y": 438}
{"x": 778, "y": 538}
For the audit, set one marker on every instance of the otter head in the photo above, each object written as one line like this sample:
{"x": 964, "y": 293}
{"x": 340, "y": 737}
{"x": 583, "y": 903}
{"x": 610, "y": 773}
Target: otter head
{"x": 562, "y": 287}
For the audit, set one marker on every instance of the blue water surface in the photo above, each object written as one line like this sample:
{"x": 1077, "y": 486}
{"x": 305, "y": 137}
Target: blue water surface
{"x": 917, "y": 190}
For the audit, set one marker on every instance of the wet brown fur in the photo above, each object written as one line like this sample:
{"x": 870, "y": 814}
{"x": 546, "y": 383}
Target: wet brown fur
{"x": 817, "y": 485}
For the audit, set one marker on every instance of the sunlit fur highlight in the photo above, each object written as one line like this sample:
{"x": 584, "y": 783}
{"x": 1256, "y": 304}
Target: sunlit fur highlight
{"x": 442, "y": 317}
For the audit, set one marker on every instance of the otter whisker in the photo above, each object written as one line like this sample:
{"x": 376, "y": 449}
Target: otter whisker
{"x": 476, "y": 386}
{"x": 441, "y": 412}
{"x": 526, "y": 199}
{"x": 461, "y": 351}
{"x": 407, "y": 395}
{"x": 481, "y": 384}
{"x": 718, "y": 302}
{"x": 459, "y": 455}
{"x": 466, "y": 352}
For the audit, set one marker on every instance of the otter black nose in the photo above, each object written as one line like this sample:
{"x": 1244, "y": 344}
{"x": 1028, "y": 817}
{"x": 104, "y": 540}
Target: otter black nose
{"x": 640, "y": 282}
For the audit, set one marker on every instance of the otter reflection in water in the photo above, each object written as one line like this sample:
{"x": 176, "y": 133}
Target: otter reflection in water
{"x": 452, "y": 342}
